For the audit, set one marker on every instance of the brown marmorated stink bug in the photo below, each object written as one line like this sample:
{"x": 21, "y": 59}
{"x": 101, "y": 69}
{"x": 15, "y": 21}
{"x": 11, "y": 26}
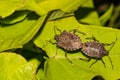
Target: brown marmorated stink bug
{"x": 67, "y": 40}
{"x": 96, "y": 50}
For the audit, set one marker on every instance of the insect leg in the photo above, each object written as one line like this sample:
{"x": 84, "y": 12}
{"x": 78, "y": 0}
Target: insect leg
{"x": 103, "y": 63}
{"x": 67, "y": 57}
{"x": 96, "y": 61}
{"x": 56, "y": 52}
{"x": 93, "y": 38}
{"x": 49, "y": 42}
{"x": 56, "y": 47}
{"x": 87, "y": 60}
{"x": 76, "y": 30}
{"x": 93, "y": 63}
{"x": 53, "y": 44}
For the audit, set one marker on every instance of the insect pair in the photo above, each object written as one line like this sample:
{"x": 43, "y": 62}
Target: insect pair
{"x": 71, "y": 42}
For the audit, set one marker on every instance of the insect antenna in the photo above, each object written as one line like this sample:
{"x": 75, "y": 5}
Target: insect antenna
{"x": 106, "y": 44}
{"x": 76, "y": 30}
{"x": 113, "y": 43}
{"x": 110, "y": 61}
{"x": 92, "y": 38}
{"x": 55, "y": 28}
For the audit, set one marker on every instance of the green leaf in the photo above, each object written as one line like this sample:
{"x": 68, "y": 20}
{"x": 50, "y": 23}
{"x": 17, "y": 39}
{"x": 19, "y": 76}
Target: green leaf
{"x": 57, "y": 14}
{"x": 34, "y": 63}
{"x": 7, "y": 7}
{"x": 60, "y": 68}
{"x": 105, "y": 17}
{"x": 16, "y": 35}
{"x": 43, "y": 7}
{"x": 15, "y": 17}
{"x": 40, "y": 74}
{"x": 87, "y": 14}
{"x": 33, "y": 6}
{"x": 15, "y": 67}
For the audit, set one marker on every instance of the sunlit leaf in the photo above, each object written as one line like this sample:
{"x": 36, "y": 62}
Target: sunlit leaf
{"x": 54, "y": 66}
{"x": 16, "y": 35}
{"x": 40, "y": 74}
{"x": 15, "y": 17}
{"x": 43, "y": 7}
{"x": 7, "y": 7}
{"x": 15, "y": 67}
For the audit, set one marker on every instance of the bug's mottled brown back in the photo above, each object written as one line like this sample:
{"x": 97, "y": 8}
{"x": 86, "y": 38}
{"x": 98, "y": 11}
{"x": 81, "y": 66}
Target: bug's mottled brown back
{"x": 68, "y": 41}
{"x": 94, "y": 49}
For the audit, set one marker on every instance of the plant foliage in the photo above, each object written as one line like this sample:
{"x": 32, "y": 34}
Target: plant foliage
{"x": 27, "y": 30}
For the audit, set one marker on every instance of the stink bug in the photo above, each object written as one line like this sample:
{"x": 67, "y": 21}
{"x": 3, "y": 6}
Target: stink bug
{"x": 96, "y": 50}
{"x": 67, "y": 40}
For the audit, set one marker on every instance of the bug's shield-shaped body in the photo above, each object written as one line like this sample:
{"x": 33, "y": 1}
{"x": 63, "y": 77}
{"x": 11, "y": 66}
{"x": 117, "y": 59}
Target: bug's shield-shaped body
{"x": 94, "y": 49}
{"x": 68, "y": 41}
